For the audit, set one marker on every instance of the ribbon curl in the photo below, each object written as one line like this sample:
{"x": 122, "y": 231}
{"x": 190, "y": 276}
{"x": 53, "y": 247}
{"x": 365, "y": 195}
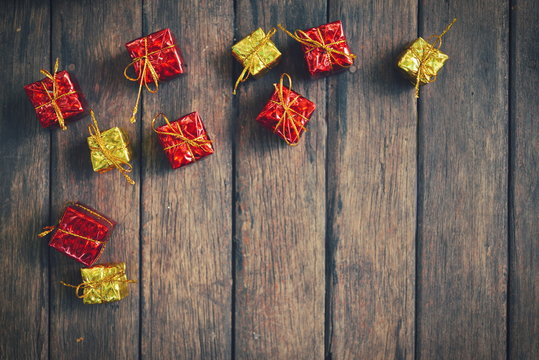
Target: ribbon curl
{"x": 93, "y": 285}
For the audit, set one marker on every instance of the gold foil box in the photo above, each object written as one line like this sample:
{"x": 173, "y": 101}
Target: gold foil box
{"x": 267, "y": 55}
{"x": 116, "y": 142}
{"x": 106, "y": 283}
{"x": 421, "y": 51}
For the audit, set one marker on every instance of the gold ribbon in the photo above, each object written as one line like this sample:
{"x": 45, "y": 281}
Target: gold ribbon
{"x": 141, "y": 78}
{"x": 55, "y": 96}
{"x": 288, "y": 111}
{"x": 422, "y": 69}
{"x": 302, "y": 37}
{"x": 250, "y": 60}
{"x": 93, "y": 285}
{"x": 118, "y": 163}
{"x": 197, "y": 142}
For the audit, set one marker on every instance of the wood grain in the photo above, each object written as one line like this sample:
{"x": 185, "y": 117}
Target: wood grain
{"x": 524, "y": 227}
{"x": 187, "y": 232}
{"x": 371, "y": 188}
{"x": 280, "y": 201}
{"x": 88, "y": 36}
{"x": 24, "y": 169}
{"x": 463, "y": 119}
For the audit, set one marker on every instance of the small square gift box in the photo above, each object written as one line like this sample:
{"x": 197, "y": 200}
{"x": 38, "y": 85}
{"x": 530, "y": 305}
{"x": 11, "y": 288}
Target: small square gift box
{"x": 256, "y": 53}
{"x": 81, "y": 233}
{"x": 56, "y": 98}
{"x": 184, "y": 140}
{"x": 286, "y": 113}
{"x": 156, "y": 57}
{"x": 102, "y": 284}
{"x": 324, "y": 47}
{"x": 421, "y": 60}
{"x": 109, "y": 149}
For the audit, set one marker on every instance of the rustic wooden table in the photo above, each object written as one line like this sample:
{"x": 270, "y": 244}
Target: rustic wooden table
{"x": 397, "y": 229}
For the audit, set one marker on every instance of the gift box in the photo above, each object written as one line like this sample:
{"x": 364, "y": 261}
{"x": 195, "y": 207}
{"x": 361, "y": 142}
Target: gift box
{"x": 286, "y": 113}
{"x": 185, "y": 140}
{"x": 325, "y": 48}
{"x": 256, "y": 53}
{"x": 102, "y": 283}
{"x": 81, "y": 233}
{"x": 56, "y": 98}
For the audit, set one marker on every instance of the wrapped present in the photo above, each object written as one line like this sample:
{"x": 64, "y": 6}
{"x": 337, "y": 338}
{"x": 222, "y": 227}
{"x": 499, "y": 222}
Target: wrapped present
{"x": 286, "y": 113}
{"x": 422, "y": 60}
{"x": 324, "y": 47}
{"x": 109, "y": 149}
{"x": 102, "y": 284}
{"x": 156, "y": 57}
{"x": 256, "y": 53}
{"x": 184, "y": 140}
{"x": 56, "y": 98}
{"x": 81, "y": 233}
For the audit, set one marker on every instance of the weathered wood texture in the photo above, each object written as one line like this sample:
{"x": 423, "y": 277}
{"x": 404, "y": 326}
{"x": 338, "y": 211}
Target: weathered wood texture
{"x": 24, "y": 189}
{"x": 524, "y": 228}
{"x": 462, "y": 206}
{"x": 280, "y": 201}
{"x": 187, "y": 222}
{"x": 88, "y": 37}
{"x": 371, "y": 187}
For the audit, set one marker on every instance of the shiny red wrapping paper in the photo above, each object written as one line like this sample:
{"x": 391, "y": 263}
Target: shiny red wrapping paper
{"x": 85, "y": 222}
{"x": 178, "y": 152}
{"x": 319, "y": 61}
{"x": 273, "y": 113}
{"x": 163, "y": 53}
{"x": 72, "y": 105}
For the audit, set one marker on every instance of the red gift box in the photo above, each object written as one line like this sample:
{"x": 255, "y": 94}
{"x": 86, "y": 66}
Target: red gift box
{"x": 286, "y": 113}
{"x": 81, "y": 233}
{"x": 58, "y": 100}
{"x": 184, "y": 140}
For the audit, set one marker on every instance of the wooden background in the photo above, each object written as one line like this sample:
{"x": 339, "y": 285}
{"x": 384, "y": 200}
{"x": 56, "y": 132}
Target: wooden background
{"x": 397, "y": 229}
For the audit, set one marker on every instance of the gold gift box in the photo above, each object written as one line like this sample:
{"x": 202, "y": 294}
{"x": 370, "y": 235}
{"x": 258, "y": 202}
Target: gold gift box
{"x": 421, "y": 51}
{"x": 105, "y": 283}
{"x": 116, "y": 142}
{"x": 267, "y": 56}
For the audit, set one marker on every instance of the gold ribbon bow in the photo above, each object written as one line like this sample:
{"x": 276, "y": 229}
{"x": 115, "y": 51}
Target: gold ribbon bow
{"x": 302, "y": 37}
{"x": 250, "y": 60}
{"x": 141, "y": 78}
{"x": 93, "y": 285}
{"x": 54, "y": 96}
{"x": 422, "y": 69}
{"x": 101, "y": 147}
{"x": 288, "y": 117}
{"x": 197, "y": 142}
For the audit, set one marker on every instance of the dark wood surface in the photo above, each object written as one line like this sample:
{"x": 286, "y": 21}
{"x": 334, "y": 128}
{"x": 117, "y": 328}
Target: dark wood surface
{"x": 397, "y": 229}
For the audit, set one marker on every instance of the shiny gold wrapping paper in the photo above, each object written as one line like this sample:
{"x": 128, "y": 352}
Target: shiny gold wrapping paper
{"x": 104, "y": 291}
{"x": 411, "y": 58}
{"x": 266, "y": 57}
{"x": 117, "y": 142}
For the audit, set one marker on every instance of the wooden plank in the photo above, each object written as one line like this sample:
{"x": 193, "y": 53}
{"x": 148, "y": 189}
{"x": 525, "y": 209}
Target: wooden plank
{"x": 187, "y": 275}
{"x": 280, "y": 208}
{"x": 463, "y": 186}
{"x": 371, "y": 188}
{"x": 524, "y": 171}
{"x": 24, "y": 165}
{"x": 89, "y": 37}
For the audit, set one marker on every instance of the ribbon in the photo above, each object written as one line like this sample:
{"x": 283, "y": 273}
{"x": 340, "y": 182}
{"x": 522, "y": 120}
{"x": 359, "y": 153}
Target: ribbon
{"x": 141, "y": 78}
{"x": 302, "y": 37}
{"x": 423, "y": 69}
{"x": 250, "y": 60}
{"x": 288, "y": 115}
{"x": 54, "y": 96}
{"x": 177, "y": 133}
{"x": 118, "y": 163}
{"x": 93, "y": 285}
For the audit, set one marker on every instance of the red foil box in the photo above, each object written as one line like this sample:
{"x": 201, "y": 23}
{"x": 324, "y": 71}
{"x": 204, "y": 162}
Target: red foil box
{"x": 319, "y": 61}
{"x": 70, "y": 99}
{"x": 290, "y": 124}
{"x": 180, "y": 152}
{"x": 163, "y": 54}
{"x": 82, "y": 233}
